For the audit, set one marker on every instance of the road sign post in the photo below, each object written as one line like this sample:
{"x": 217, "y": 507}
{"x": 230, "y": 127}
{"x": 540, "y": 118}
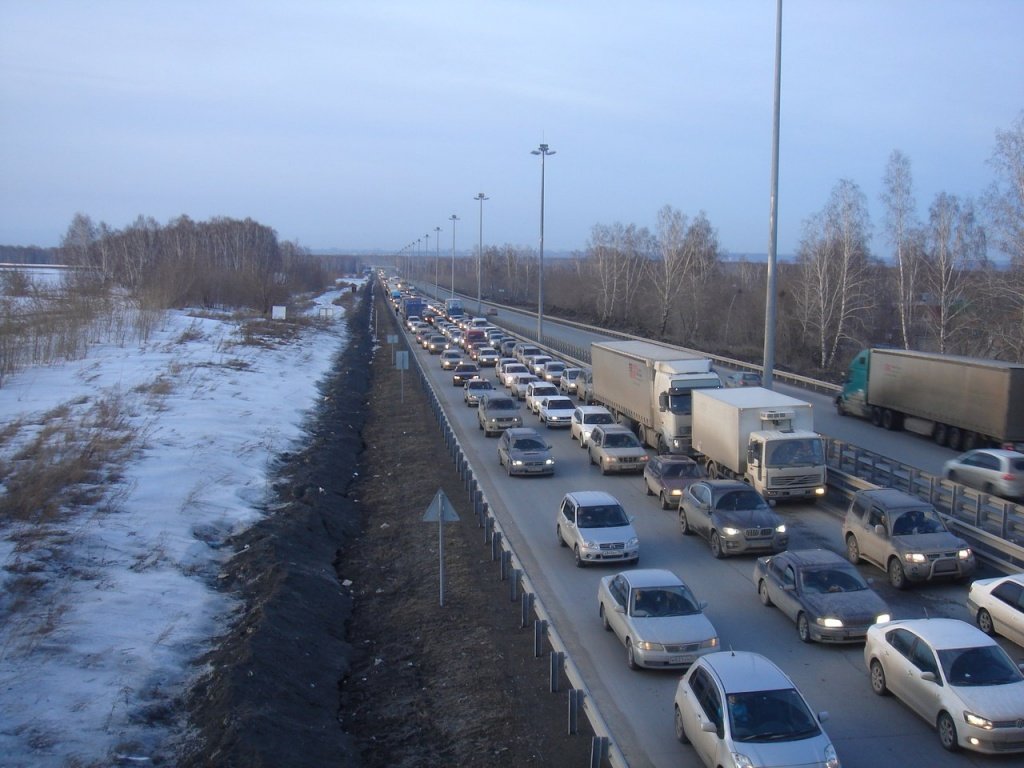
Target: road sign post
{"x": 440, "y": 509}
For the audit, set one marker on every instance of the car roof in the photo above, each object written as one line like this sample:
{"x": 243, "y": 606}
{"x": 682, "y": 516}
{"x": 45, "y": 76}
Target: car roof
{"x": 558, "y": 399}
{"x": 651, "y": 577}
{"x": 742, "y": 671}
{"x": 813, "y": 557}
{"x": 592, "y": 498}
{"x": 514, "y": 432}
{"x": 1000, "y": 452}
{"x": 720, "y": 486}
{"x": 944, "y": 633}
{"x": 892, "y": 498}
{"x": 606, "y": 428}
{"x": 593, "y": 409}
{"x": 672, "y": 458}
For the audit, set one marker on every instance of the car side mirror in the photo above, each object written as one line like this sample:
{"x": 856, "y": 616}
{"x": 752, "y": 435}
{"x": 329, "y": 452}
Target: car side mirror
{"x": 702, "y": 604}
{"x": 880, "y": 530}
{"x": 822, "y": 717}
{"x": 708, "y": 727}
{"x": 929, "y": 676}
{"x": 631, "y": 518}
{"x": 620, "y": 608}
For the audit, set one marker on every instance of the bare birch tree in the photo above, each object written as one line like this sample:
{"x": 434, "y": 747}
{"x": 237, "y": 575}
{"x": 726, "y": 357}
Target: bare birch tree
{"x": 902, "y": 230}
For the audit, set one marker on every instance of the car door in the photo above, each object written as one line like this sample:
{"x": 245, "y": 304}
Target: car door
{"x": 568, "y": 522}
{"x": 619, "y": 591}
{"x": 503, "y": 445}
{"x": 707, "y": 705}
{"x": 698, "y": 512}
{"x": 874, "y": 545}
{"x": 594, "y": 445}
{"x": 1007, "y": 611}
{"x": 923, "y": 696}
{"x": 652, "y": 475}
{"x": 785, "y": 596}
{"x": 895, "y": 658}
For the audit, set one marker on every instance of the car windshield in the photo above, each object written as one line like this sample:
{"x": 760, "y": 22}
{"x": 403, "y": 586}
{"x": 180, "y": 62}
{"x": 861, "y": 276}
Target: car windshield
{"x": 766, "y": 716}
{"x": 742, "y": 499}
{"x": 598, "y": 418}
{"x": 528, "y": 444}
{"x": 915, "y": 521}
{"x": 602, "y": 516}
{"x": 820, "y": 581}
{"x": 620, "y": 440}
{"x": 796, "y": 453}
{"x": 681, "y": 469}
{"x": 479, "y": 385}
{"x": 559, "y": 404}
{"x": 659, "y": 602}
{"x": 984, "y": 665}
{"x": 502, "y": 404}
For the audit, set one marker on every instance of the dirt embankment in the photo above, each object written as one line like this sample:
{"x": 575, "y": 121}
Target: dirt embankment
{"x": 342, "y": 655}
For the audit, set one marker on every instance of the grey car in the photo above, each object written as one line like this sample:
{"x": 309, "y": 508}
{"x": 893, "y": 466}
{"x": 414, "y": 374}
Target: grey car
{"x": 597, "y": 529}
{"x": 733, "y": 517}
{"x": 905, "y": 537}
{"x": 496, "y": 413}
{"x": 739, "y": 709}
{"x": 522, "y": 451}
{"x": 991, "y": 470}
{"x": 668, "y": 476}
{"x": 822, "y": 593}
{"x": 614, "y": 448}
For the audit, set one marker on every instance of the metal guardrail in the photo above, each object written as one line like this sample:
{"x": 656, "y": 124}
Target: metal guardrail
{"x": 521, "y": 588}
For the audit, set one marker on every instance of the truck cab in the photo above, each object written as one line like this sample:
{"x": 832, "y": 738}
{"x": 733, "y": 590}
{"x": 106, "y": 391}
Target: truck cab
{"x": 674, "y": 381}
{"x": 853, "y": 398}
{"x": 783, "y": 465}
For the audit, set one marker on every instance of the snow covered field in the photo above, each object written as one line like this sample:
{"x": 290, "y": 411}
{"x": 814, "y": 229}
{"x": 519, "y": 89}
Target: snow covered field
{"x": 105, "y": 608}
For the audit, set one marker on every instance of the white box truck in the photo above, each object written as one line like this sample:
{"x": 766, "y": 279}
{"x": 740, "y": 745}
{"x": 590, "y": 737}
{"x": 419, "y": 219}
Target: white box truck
{"x": 648, "y": 387}
{"x": 760, "y": 436}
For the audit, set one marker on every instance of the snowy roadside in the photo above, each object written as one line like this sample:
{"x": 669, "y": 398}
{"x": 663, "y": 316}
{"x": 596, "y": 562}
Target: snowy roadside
{"x": 105, "y": 608}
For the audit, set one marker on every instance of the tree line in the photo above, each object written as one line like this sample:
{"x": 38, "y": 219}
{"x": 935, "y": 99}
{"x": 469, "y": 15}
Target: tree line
{"x": 952, "y": 281}
{"x": 220, "y": 263}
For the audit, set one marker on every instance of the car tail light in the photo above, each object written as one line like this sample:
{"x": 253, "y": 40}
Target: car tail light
{"x": 1008, "y": 477}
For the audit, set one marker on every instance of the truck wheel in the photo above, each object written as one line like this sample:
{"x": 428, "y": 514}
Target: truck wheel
{"x": 940, "y": 433}
{"x": 876, "y": 416}
{"x": 840, "y": 408}
{"x": 890, "y": 420}
{"x": 662, "y": 445}
{"x": 955, "y": 438}
{"x": 712, "y": 470}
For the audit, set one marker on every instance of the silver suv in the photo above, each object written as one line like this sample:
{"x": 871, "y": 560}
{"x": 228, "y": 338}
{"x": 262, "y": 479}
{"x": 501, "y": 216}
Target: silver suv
{"x": 496, "y": 413}
{"x": 904, "y": 536}
{"x": 597, "y": 528}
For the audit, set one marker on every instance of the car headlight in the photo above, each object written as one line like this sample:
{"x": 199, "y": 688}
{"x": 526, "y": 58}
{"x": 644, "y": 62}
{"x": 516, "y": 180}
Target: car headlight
{"x": 978, "y": 721}
{"x": 883, "y": 618}
{"x": 633, "y": 542}
{"x": 831, "y": 758}
{"x": 728, "y": 530}
{"x": 710, "y": 643}
{"x": 517, "y": 462}
{"x": 741, "y": 760}
{"x": 964, "y": 554}
{"x": 780, "y": 528}
{"x": 644, "y": 645}
{"x": 677, "y": 492}
{"x": 915, "y": 557}
{"x": 829, "y": 622}
{"x": 590, "y": 544}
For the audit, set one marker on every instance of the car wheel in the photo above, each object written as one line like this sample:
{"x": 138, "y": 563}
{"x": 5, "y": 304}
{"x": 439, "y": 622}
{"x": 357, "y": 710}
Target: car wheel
{"x": 762, "y": 592}
{"x": 947, "y": 732}
{"x": 803, "y": 628}
{"x": 716, "y": 546}
{"x": 647, "y": 487}
{"x": 558, "y": 533}
{"x": 591, "y": 457}
{"x": 852, "y": 549}
{"x": 583, "y": 445}
{"x": 604, "y": 469}
{"x": 630, "y": 658}
{"x": 576, "y": 555}
{"x": 664, "y": 502}
{"x": 604, "y": 618}
{"x": 951, "y": 476}
{"x": 877, "y": 675}
{"x": 897, "y": 576}
{"x": 508, "y": 468}
{"x": 984, "y": 620}
{"x": 684, "y": 525}
{"x": 680, "y": 731}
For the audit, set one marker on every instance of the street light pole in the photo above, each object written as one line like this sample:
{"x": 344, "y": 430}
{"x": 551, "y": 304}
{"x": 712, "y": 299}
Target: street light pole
{"x": 437, "y": 256}
{"x": 426, "y": 250}
{"x": 453, "y": 218}
{"x": 480, "y": 254}
{"x": 543, "y": 151}
{"x": 773, "y": 216}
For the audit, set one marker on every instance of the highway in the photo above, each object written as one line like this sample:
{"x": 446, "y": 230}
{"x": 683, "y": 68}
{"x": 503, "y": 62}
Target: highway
{"x": 867, "y": 731}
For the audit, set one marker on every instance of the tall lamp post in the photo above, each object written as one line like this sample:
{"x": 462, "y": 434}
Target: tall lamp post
{"x": 543, "y": 151}
{"x": 437, "y": 255}
{"x": 426, "y": 250}
{"x": 773, "y": 216}
{"x": 480, "y": 254}
{"x": 453, "y": 218}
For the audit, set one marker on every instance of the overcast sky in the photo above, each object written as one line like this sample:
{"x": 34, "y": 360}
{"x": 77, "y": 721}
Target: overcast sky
{"x": 366, "y": 123}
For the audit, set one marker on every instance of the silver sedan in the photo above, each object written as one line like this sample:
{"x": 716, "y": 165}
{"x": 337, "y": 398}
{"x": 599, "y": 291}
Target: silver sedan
{"x": 655, "y": 615}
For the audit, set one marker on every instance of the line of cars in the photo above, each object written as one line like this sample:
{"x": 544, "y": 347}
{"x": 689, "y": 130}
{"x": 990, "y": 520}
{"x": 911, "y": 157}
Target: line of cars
{"x": 655, "y": 616}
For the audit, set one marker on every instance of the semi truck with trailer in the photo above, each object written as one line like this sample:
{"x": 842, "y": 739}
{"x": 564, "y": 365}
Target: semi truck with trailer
{"x": 960, "y": 402}
{"x": 763, "y": 437}
{"x": 649, "y": 387}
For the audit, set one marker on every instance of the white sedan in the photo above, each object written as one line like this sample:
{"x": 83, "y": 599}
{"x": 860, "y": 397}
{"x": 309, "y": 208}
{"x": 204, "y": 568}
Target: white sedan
{"x": 955, "y": 677}
{"x": 997, "y": 606}
{"x": 655, "y": 615}
{"x": 555, "y": 411}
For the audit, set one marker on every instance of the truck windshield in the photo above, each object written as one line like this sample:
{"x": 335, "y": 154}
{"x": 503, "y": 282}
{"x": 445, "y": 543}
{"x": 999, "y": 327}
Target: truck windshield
{"x": 680, "y": 399}
{"x": 803, "y": 452}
